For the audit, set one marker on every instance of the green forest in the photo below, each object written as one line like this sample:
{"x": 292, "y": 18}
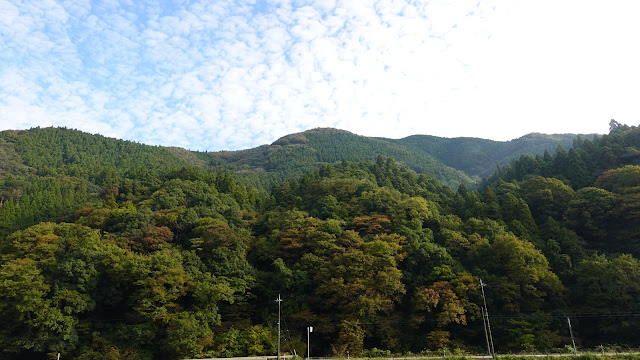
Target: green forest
{"x": 111, "y": 249}
{"x": 452, "y": 161}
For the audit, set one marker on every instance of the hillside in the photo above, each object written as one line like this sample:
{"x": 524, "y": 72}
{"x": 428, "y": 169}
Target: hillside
{"x": 295, "y": 154}
{"x": 150, "y": 254}
{"x": 54, "y": 151}
{"x": 479, "y": 157}
{"x": 451, "y": 161}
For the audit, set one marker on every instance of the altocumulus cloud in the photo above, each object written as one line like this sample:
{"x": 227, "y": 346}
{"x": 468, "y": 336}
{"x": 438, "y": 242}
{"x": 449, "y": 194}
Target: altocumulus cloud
{"x": 212, "y": 75}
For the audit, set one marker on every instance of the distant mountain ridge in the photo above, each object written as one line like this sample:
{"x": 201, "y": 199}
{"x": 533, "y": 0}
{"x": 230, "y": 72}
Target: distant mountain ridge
{"x": 479, "y": 157}
{"x": 298, "y": 153}
{"x": 453, "y": 161}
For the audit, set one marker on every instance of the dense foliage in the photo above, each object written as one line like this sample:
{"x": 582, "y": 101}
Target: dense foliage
{"x": 140, "y": 252}
{"x": 451, "y": 161}
{"x": 479, "y": 157}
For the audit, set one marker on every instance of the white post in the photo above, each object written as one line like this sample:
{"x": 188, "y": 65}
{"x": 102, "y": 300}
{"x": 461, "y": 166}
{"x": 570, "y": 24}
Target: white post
{"x": 309, "y": 330}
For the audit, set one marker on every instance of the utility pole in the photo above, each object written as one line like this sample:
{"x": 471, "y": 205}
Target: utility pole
{"x": 279, "y": 300}
{"x": 575, "y": 351}
{"x": 486, "y": 334}
{"x": 486, "y": 314}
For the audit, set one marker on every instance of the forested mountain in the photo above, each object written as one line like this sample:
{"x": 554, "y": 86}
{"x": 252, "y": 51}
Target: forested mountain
{"x": 54, "y": 151}
{"x": 154, "y": 254}
{"x": 451, "y": 161}
{"x": 296, "y": 154}
{"x": 479, "y": 157}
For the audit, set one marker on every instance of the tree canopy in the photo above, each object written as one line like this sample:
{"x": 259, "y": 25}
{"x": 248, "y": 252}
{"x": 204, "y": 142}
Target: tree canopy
{"x": 112, "y": 249}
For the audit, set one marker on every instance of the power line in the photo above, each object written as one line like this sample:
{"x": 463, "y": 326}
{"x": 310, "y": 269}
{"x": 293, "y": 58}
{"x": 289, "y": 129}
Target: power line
{"x": 288, "y": 338}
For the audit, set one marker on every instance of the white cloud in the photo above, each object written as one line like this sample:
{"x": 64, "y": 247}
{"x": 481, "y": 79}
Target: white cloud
{"x": 225, "y": 74}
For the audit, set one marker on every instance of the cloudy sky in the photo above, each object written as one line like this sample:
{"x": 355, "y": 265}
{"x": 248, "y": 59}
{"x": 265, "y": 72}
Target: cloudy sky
{"x": 224, "y": 74}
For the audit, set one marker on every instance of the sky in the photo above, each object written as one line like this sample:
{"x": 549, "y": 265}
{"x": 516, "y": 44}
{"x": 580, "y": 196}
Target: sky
{"x": 228, "y": 75}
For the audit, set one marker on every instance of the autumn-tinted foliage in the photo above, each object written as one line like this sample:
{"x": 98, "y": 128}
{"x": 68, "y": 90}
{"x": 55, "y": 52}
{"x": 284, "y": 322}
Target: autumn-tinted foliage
{"x": 112, "y": 249}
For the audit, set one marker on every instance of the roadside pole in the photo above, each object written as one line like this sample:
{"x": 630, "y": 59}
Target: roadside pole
{"x": 309, "y": 330}
{"x": 575, "y": 351}
{"x": 486, "y": 314}
{"x": 279, "y": 300}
